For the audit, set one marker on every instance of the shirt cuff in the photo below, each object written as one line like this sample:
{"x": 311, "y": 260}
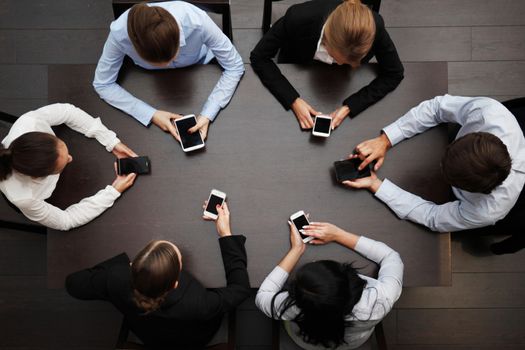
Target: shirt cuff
{"x": 143, "y": 113}
{"x": 394, "y": 133}
{"x": 387, "y": 192}
{"x": 210, "y": 110}
{"x": 364, "y": 245}
{"x": 112, "y": 191}
{"x": 112, "y": 144}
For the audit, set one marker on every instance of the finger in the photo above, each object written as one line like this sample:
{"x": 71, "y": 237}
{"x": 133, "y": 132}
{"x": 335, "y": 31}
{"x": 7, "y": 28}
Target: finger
{"x": 115, "y": 167}
{"x": 207, "y": 218}
{"x": 173, "y": 131}
{"x": 219, "y": 210}
{"x": 225, "y": 207}
{"x": 316, "y": 241}
{"x": 312, "y": 110}
{"x": 193, "y": 129}
{"x": 365, "y": 163}
{"x": 350, "y": 184}
{"x": 379, "y": 163}
{"x": 131, "y": 153}
{"x": 309, "y": 122}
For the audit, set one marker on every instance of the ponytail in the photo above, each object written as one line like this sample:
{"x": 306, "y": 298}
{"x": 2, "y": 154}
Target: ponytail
{"x": 6, "y": 160}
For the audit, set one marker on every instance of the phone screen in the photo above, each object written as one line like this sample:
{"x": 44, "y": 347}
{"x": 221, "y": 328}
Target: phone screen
{"x": 299, "y": 222}
{"x": 322, "y": 125}
{"x": 139, "y": 165}
{"x": 347, "y": 170}
{"x": 212, "y": 204}
{"x": 188, "y": 140}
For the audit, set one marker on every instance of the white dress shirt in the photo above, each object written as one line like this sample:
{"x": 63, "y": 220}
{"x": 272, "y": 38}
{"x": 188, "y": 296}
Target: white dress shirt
{"x": 378, "y": 298}
{"x": 29, "y": 194}
{"x": 470, "y": 210}
{"x": 200, "y": 41}
{"x": 321, "y": 54}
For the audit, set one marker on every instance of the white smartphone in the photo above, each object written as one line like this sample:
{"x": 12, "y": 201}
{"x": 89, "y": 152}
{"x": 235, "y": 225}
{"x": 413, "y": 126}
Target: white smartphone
{"x": 299, "y": 220}
{"x": 189, "y": 142}
{"x": 322, "y": 126}
{"x": 216, "y": 198}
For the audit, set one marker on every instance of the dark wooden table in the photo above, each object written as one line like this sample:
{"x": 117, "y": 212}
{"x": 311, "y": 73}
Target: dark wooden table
{"x": 257, "y": 154}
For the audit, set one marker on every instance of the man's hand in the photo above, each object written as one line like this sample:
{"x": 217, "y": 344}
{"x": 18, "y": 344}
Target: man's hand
{"x": 339, "y": 115}
{"x": 223, "y": 219}
{"x": 303, "y": 112}
{"x": 122, "y": 151}
{"x": 123, "y": 182}
{"x": 370, "y": 150}
{"x": 201, "y": 126}
{"x": 371, "y": 183}
{"x": 164, "y": 119}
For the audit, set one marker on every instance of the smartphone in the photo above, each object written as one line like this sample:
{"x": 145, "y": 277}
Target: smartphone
{"x": 189, "y": 142}
{"x": 347, "y": 170}
{"x": 138, "y": 165}
{"x": 322, "y": 126}
{"x": 216, "y": 198}
{"x": 299, "y": 220}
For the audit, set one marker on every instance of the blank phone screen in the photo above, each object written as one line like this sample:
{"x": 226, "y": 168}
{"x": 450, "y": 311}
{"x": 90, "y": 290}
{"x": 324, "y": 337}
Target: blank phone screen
{"x": 322, "y": 125}
{"x": 188, "y": 140}
{"x": 299, "y": 223}
{"x": 213, "y": 203}
{"x": 138, "y": 165}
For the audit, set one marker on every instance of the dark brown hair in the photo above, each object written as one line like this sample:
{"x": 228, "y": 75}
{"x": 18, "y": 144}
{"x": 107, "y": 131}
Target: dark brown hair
{"x": 154, "y": 33}
{"x": 154, "y": 272}
{"x": 350, "y": 30}
{"x": 476, "y": 162}
{"x": 34, "y": 154}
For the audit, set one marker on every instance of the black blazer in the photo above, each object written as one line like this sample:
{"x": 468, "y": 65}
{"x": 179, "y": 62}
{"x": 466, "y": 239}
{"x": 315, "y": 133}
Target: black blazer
{"x": 190, "y": 315}
{"x": 296, "y": 35}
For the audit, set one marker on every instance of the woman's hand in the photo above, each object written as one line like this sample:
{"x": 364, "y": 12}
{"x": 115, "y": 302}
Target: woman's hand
{"x": 123, "y": 182}
{"x": 223, "y": 219}
{"x": 296, "y": 242}
{"x": 303, "y": 112}
{"x": 122, "y": 151}
{"x": 323, "y": 232}
{"x": 202, "y": 126}
{"x": 339, "y": 115}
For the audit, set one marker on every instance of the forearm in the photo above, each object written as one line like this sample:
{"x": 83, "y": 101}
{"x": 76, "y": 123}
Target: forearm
{"x": 347, "y": 239}
{"x": 290, "y": 259}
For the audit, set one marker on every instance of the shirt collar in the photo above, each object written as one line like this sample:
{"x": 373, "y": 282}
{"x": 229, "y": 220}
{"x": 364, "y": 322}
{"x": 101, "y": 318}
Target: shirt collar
{"x": 321, "y": 54}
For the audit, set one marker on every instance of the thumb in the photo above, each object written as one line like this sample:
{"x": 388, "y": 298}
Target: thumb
{"x": 312, "y": 110}
{"x": 193, "y": 129}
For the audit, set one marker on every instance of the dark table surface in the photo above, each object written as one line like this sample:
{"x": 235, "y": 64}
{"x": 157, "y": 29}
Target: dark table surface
{"x": 257, "y": 154}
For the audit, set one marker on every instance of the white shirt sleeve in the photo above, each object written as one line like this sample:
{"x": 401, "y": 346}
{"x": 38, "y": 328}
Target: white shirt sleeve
{"x": 230, "y": 61}
{"x": 105, "y": 84}
{"x": 390, "y": 275}
{"x": 273, "y": 284}
{"x": 78, "y": 120}
{"x": 75, "y": 215}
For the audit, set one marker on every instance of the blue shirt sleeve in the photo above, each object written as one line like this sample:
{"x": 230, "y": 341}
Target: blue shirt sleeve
{"x": 105, "y": 83}
{"x": 230, "y": 61}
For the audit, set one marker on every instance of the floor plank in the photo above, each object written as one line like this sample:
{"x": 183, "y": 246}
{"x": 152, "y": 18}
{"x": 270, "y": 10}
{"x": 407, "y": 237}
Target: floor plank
{"x": 60, "y": 46}
{"x": 23, "y": 81}
{"x": 7, "y": 47}
{"x": 468, "y": 291}
{"x": 462, "y": 327}
{"x": 498, "y": 43}
{"x": 432, "y": 43}
{"x": 486, "y": 78}
{"x": 423, "y": 13}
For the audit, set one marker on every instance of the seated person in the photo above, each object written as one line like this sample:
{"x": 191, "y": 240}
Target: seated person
{"x": 328, "y": 304}
{"x": 485, "y": 165}
{"x": 165, "y": 35}
{"x": 330, "y": 31}
{"x": 32, "y": 158}
{"x": 162, "y": 303}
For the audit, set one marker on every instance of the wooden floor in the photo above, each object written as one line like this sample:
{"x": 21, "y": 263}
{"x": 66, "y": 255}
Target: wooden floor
{"x": 483, "y": 42}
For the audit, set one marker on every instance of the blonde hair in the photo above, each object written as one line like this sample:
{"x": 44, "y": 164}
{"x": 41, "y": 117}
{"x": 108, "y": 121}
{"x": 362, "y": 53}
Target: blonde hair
{"x": 350, "y": 30}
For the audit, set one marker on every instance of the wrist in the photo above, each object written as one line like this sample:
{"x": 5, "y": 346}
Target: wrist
{"x": 297, "y": 250}
{"x": 386, "y": 141}
{"x": 374, "y": 187}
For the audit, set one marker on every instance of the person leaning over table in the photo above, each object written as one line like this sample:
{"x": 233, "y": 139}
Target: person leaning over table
{"x": 162, "y": 303}
{"x": 166, "y": 35}
{"x": 32, "y": 158}
{"x": 328, "y": 304}
{"x": 329, "y": 31}
{"x": 485, "y": 166}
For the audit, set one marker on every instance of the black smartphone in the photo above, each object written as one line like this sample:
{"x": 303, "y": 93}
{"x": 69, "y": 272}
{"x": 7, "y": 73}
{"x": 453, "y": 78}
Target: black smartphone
{"x": 138, "y": 165}
{"x": 347, "y": 170}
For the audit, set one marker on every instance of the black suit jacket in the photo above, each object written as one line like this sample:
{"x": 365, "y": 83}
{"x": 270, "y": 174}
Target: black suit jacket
{"x": 295, "y": 37}
{"x": 190, "y": 315}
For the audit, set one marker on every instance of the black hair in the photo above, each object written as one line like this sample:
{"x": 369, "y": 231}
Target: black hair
{"x": 325, "y": 292}
{"x": 33, "y": 154}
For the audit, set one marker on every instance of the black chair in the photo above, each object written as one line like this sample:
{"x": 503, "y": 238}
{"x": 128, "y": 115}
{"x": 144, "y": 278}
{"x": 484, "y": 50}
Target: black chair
{"x": 10, "y": 216}
{"x": 221, "y": 7}
{"x": 267, "y": 11}
{"x": 224, "y": 339}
